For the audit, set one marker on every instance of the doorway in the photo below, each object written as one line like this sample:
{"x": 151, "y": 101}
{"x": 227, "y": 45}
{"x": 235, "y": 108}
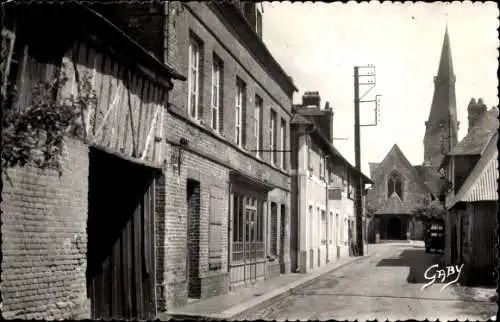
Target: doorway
{"x": 282, "y": 238}
{"x": 394, "y": 231}
{"x": 121, "y": 261}
{"x": 193, "y": 238}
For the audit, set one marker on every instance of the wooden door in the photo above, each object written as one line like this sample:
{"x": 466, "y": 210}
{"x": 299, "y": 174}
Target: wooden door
{"x": 121, "y": 250}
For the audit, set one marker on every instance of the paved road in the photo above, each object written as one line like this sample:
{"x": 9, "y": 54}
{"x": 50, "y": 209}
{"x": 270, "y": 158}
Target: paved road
{"x": 386, "y": 285}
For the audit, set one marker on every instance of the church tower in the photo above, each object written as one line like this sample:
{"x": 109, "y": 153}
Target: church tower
{"x": 441, "y": 128}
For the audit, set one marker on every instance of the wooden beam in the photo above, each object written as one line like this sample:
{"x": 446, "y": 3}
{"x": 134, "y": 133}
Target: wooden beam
{"x": 108, "y": 112}
{"x": 150, "y": 134}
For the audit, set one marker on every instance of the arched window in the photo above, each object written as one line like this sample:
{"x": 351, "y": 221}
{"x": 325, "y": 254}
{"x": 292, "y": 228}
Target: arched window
{"x": 395, "y": 184}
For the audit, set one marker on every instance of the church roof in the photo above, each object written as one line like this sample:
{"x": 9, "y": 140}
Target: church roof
{"x": 477, "y": 138}
{"x": 396, "y": 151}
{"x": 394, "y": 205}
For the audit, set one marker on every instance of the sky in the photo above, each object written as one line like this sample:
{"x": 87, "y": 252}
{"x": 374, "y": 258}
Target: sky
{"x": 318, "y": 44}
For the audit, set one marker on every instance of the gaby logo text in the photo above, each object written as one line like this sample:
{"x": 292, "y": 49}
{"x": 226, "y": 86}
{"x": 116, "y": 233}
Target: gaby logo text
{"x": 434, "y": 273}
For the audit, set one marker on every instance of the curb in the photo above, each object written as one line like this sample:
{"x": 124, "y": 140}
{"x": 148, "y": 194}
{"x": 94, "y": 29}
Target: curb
{"x": 257, "y": 303}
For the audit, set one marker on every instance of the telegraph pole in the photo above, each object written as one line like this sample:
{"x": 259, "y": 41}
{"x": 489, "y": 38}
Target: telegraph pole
{"x": 370, "y": 74}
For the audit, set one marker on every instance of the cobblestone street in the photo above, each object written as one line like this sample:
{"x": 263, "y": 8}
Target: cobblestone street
{"x": 385, "y": 286}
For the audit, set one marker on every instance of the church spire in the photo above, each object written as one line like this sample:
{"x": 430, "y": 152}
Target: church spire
{"x": 445, "y": 69}
{"x": 442, "y": 126}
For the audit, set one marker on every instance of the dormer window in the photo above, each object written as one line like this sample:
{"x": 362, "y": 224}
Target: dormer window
{"x": 395, "y": 185}
{"x": 441, "y": 124}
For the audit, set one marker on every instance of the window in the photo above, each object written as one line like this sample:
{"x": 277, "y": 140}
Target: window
{"x": 395, "y": 185}
{"x": 239, "y": 114}
{"x": 274, "y": 229}
{"x": 248, "y": 228}
{"x": 216, "y": 94}
{"x": 309, "y": 166}
{"x": 318, "y": 227}
{"x": 349, "y": 186}
{"x": 272, "y": 137}
{"x": 337, "y": 229}
{"x": 257, "y": 125}
{"x": 321, "y": 167}
{"x": 331, "y": 228}
{"x": 323, "y": 227}
{"x": 283, "y": 144}
{"x": 311, "y": 225}
{"x": 194, "y": 79}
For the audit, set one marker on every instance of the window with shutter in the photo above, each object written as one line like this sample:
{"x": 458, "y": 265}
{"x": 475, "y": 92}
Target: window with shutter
{"x": 216, "y": 94}
{"x": 257, "y": 118}
{"x": 240, "y": 114}
{"x": 272, "y": 137}
{"x": 283, "y": 143}
{"x": 215, "y": 229}
{"x": 194, "y": 79}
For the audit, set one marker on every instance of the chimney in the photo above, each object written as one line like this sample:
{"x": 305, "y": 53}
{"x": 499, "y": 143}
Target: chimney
{"x": 311, "y": 99}
{"x": 475, "y": 110}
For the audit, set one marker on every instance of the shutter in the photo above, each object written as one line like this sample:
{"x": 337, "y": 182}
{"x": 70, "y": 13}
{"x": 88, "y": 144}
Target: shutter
{"x": 244, "y": 118}
{"x": 215, "y": 230}
{"x": 221, "y": 99}
{"x": 201, "y": 59}
{"x": 261, "y": 125}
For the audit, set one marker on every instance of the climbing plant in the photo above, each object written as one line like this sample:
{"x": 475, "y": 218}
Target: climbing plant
{"x": 428, "y": 210}
{"x": 34, "y": 134}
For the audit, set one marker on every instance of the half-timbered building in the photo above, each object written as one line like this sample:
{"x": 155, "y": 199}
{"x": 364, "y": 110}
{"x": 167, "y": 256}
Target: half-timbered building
{"x": 83, "y": 243}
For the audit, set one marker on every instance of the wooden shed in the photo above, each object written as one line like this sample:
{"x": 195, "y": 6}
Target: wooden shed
{"x": 472, "y": 214}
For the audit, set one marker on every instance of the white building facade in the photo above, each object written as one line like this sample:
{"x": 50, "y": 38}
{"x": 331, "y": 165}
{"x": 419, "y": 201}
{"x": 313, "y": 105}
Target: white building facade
{"x": 323, "y": 190}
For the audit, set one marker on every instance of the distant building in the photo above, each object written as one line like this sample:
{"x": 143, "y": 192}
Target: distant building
{"x": 471, "y": 169}
{"x": 323, "y": 189}
{"x": 401, "y": 187}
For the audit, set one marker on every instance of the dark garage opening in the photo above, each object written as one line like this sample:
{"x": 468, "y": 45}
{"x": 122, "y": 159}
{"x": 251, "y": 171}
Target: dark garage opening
{"x": 120, "y": 270}
{"x": 394, "y": 228}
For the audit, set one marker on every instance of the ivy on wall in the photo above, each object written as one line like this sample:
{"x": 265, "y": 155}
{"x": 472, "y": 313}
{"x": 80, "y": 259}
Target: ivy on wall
{"x": 34, "y": 134}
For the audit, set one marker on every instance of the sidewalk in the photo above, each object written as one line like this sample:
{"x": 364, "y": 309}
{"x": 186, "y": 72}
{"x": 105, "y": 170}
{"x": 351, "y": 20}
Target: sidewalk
{"x": 244, "y": 299}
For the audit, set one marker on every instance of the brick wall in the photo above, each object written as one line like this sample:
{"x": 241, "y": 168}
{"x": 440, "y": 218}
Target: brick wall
{"x": 207, "y": 174}
{"x": 209, "y": 156}
{"x": 237, "y": 62}
{"x": 44, "y": 239}
{"x": 143, "y": 22}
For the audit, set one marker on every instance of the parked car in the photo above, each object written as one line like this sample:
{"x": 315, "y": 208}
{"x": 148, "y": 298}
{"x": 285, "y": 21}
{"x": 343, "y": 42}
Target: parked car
{"x": 434, "y": 237}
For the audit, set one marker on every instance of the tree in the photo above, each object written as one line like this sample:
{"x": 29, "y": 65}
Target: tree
{"x": 430, "y": 211}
